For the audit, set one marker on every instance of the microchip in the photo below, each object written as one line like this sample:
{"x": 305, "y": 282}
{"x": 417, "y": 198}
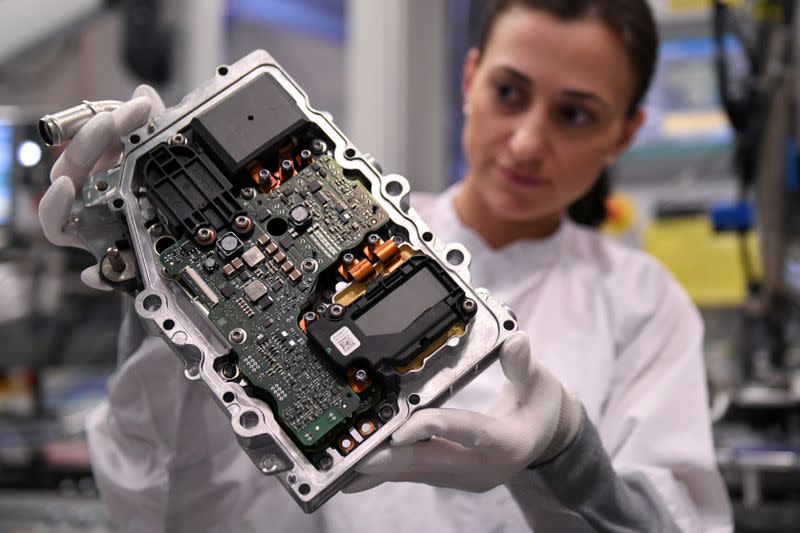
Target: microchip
{"x": 321, "y": 198}
{"x": 314, "y": 185}
{"x": 227, "y": 290}
{"x": 255, "y": 290}
{"x": 287, "y": 242}
{"x": 263, "y": 213}
{"x": 268, "y": 322}
{"x": 265, "y": 302}
{"x": 287, "y": 191}
{"x": 252, "y": 256}
{"x": 340, "y": 207}
{"x": 344, "y": 217}
{"x": 277, "y": 286}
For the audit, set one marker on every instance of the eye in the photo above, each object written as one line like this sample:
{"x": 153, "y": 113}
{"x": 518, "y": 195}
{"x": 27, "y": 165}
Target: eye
{"x": 576, "y": 115}
{"x": 507, "y": 95}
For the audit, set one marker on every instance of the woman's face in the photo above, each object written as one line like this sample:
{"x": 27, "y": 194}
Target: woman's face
{"x": 546, "y": 109}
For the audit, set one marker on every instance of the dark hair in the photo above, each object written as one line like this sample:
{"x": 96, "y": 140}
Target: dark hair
{"x": 633, "y": 23}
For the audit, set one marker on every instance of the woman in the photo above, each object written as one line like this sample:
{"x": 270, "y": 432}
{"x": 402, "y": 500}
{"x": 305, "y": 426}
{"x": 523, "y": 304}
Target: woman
{"x": 552, "y": 96}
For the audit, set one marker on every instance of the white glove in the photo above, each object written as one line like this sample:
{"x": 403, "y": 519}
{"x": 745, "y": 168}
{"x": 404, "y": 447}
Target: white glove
{"x": 533, "y": 420}
{"x": 97, "y": 146}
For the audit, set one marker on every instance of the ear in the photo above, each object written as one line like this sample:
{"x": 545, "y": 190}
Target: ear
{"x": 470, "y": 64}
{"x": 628, "y": 133}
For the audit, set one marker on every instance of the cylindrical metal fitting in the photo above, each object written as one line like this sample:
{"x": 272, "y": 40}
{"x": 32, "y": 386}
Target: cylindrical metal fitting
{"x": 248, "y": 193}
{"x": 336, "y": 310}
{"x": 115, "y": 259}
{"x": 361, "y": 375}
{"x": 237, "y": 336}
{"x": 60, "y": 127}
{"x": 309, "y": 317}
{"x": 242, "y": 224}
{"x": 348, "y": 258}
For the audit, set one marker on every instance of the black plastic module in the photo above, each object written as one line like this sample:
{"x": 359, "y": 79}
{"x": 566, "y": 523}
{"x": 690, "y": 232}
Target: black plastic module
{"x": 188, "y": 189}
{"x": 247, "y": 124}
{"x": 396, "y": 319}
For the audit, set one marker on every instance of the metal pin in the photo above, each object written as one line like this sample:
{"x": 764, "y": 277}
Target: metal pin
{"x": 115, "y": 259}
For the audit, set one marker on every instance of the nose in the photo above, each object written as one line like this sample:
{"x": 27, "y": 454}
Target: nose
{"x": 529, "y": 140}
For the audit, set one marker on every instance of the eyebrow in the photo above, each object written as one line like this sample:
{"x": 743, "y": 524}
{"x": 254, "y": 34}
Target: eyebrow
{"x": 572, "y": 93}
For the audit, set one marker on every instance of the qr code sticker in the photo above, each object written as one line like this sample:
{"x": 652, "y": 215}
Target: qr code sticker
{"x": 345, "y": 341}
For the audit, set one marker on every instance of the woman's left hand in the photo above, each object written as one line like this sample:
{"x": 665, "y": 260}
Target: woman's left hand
{"x": 533, "y": 420}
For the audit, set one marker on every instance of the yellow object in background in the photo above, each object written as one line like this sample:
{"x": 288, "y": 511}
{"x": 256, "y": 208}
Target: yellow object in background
{"x": 620, "y": 214}
{"x": 680, "y": 6}
{"x": 707, "y": 264}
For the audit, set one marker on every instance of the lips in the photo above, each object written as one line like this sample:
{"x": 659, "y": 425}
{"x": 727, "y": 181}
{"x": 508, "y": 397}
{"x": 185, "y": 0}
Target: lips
{"x": 522, "y": 178}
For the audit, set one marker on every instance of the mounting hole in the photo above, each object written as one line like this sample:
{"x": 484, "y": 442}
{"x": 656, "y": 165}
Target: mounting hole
{"x": 455, "y": 257}
{"x": 250, "y": 117}
{"x": 222, "y": 70}
{"x": 101, "y": 185}
{"x": 304, "y": 489}
{"x": 277, "y": 226}
{"x": 168, "y": 324}
{"x": 152, "y": 303}
{"x": 248, "y": 420}
{"x": 228, "y": 397}
{"x": 118, "y": 203}
{"x": 350, "y": 153}
{"x": 349, "y": 394}
{"x": 394, "y": 188}
{"x": 134, "y": 139}
{"x": 509, "y": 325}
{"x": 427, "y": 236}
{"x": 413, "y": 399}
{"x": 163, "y": 243}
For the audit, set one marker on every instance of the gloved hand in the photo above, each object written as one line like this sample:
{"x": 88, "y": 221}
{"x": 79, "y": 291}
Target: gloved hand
{"x": 533, "y": 420}
{"x": 96, "y": 147}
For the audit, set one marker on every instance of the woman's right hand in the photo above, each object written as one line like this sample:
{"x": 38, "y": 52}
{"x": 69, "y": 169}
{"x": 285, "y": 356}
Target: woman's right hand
{"x": 96, "y": 147}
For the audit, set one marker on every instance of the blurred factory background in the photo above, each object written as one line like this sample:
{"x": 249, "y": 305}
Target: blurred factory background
{"x": 710, "y": 188}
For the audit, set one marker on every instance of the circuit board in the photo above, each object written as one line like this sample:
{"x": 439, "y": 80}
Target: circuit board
{"x": 261, "y": 290}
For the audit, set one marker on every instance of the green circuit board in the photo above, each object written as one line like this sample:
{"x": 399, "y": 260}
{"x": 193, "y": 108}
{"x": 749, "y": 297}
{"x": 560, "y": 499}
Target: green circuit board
{"x": 260, "y": 288}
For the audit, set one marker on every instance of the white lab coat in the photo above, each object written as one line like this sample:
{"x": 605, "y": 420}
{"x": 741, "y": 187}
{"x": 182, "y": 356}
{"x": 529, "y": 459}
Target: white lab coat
{"x": 609, "y": 321}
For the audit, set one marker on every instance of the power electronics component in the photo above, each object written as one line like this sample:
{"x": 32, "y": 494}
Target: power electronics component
{"x": 291, "y": 277}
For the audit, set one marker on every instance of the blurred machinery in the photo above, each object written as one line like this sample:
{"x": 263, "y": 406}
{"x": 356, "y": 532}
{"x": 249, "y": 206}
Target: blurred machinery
{"x": 758, "y": 430}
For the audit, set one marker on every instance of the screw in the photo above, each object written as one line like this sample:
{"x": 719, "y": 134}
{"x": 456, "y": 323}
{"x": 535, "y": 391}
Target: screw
{"x": 318, "y": 146}
{"x": 263, "y": 175}
{"x": 320, "y": 309}
{"x": 268, "y": 463}
{"x": 242, "y": 223}
{"x": 373, "y": 239}
{"x": 305, "y": 154}
{"x": 398, "y": 240}
{"x": 229, "y": 371}
{"x": 336, "y": 311}
{"x": 177, "y": 139}
{"x": 309, "y": 265}
{"x": 348, "y": 258}
{"x": 386, "y": 412}
{"x": 325, "y": 462}
{"x": 237, "y": 336}
{"x": 361, "y": 376}
{"x": 469, "y": 305}
{"x": 115, "y": 259}
{"x": 309, "y": 317}
{"x": 204, "y": 235}
{"x": 101, "y": 185}
{"x": 248, "y": 193}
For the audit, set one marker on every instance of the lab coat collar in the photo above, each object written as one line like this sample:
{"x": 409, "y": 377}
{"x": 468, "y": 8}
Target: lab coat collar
{"x": 520, "y": 256}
